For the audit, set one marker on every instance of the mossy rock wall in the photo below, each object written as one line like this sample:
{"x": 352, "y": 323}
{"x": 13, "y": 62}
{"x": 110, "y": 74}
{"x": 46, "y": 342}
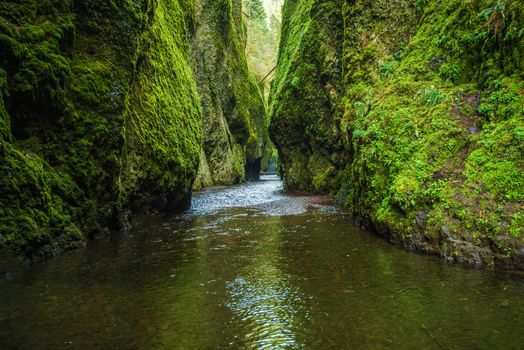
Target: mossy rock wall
{"x": 306, "y": 93}
{"x": 233, "y": 110}
{"x": 99, "y": 114}
{"x": 424, "y": 119}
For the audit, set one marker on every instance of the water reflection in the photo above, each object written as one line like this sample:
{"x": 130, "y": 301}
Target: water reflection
{"x": 264, "y": 299}
{"x": 266, "y": 272}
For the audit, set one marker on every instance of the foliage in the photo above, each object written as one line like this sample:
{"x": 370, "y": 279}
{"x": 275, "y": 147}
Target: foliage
{"x": 99, "y": 114}
{"x": 387, "y": 68}
{"x": 431, "y": 123}
{"x": 430, "y": 96}
{"x": 495, "y": 17}
{"x": 263, "y": 31}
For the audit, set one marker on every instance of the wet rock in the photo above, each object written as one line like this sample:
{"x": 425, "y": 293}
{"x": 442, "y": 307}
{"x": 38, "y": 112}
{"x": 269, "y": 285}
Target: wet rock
{"x": 445, "y": 231}
{"x": 307, "y": 87}
{"x": 353, "y": 160}
{"x": 422, "y": 219}
{"x": 139, "y": 135}
{"x": 512, "y": 262}
{"x": 466, "y": 252}
{"x": 233, "y": 109}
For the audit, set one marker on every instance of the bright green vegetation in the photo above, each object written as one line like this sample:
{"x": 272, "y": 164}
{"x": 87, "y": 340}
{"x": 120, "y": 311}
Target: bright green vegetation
{"x": 233, "y": 110}
{"x": 414, "y": 115}
{"x": 305, "y": 93}
{"x": 99, "y": 115}
{"x": 411, "y": 112}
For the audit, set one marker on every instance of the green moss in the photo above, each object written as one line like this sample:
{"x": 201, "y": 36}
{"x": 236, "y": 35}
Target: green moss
{"x": 39, "y": 207}
{"x": 5, "y": 121}
{"x": 162, "y": 149}
{"x": 306, "y": 90}
{"x": 233, "y": 110}
{"x": 99, "y": 114}
{"x": 432, "y": 116}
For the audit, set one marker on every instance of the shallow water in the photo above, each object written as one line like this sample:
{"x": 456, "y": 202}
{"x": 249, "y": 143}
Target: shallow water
{"x": 249, "y": 267}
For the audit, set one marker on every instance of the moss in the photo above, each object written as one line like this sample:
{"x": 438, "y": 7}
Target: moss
{"x": 203, "y": 178}
{"x": 99, "y": 114}
{"x": 39, "y": 207}
{"x": 5, "y": 121}
{"x": 306, "y": 89}
{"x": 431, "y": 123}
{"x": 162, "y": 150}
{"x": 233, "y": 111}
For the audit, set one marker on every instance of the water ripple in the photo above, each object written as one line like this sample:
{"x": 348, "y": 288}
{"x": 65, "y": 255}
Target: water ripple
{"x": 269, "y": 308}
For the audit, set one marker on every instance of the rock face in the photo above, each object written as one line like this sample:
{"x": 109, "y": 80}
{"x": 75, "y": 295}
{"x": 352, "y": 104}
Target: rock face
{"x": 233, "y": 110}
{"x": 412, "y": 112}
{"x": 305, "y": 94}
{"x": 99, "y": 114}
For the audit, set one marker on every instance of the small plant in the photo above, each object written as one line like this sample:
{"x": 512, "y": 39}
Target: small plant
{"x": 451, "y": 71}
{"x": 517, "y": 224}
{"x": 358, "y": 136}
{"x": 499, "y": 24}
{"x": 387, "y": 68}
{"x": 430, "y": 96}
{"x": 486, "y": 110}
{"x": 361, "y": 109}
{"x": 496, "y": 18}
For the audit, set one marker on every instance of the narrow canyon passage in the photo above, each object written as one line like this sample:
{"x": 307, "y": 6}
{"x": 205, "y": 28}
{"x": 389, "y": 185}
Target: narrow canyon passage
{"x": 261, "y": 174}
{"x": 249, "y": 267}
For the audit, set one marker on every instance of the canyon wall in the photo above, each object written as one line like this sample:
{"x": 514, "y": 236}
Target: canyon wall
{"x": 233, "y": 109}
{"x": 100, "y": 113}
{"x": 411, "y": 112}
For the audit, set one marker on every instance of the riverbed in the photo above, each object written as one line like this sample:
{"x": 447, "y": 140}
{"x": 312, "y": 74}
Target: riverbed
{"x": 250, "y": 267}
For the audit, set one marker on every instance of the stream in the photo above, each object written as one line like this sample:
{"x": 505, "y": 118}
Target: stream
{"x": 250, "y": 267}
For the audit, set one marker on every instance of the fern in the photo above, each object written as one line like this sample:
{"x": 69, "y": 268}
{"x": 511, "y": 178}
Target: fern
{"x": 387, "y": 68}
{"x": 496, "y": 19}
{"x": 430, "y": 96}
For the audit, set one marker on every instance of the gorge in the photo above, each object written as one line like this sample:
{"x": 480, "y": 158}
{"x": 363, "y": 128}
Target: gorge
{"x": 261, "y": 174}
{"x": 411, "y": 113}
